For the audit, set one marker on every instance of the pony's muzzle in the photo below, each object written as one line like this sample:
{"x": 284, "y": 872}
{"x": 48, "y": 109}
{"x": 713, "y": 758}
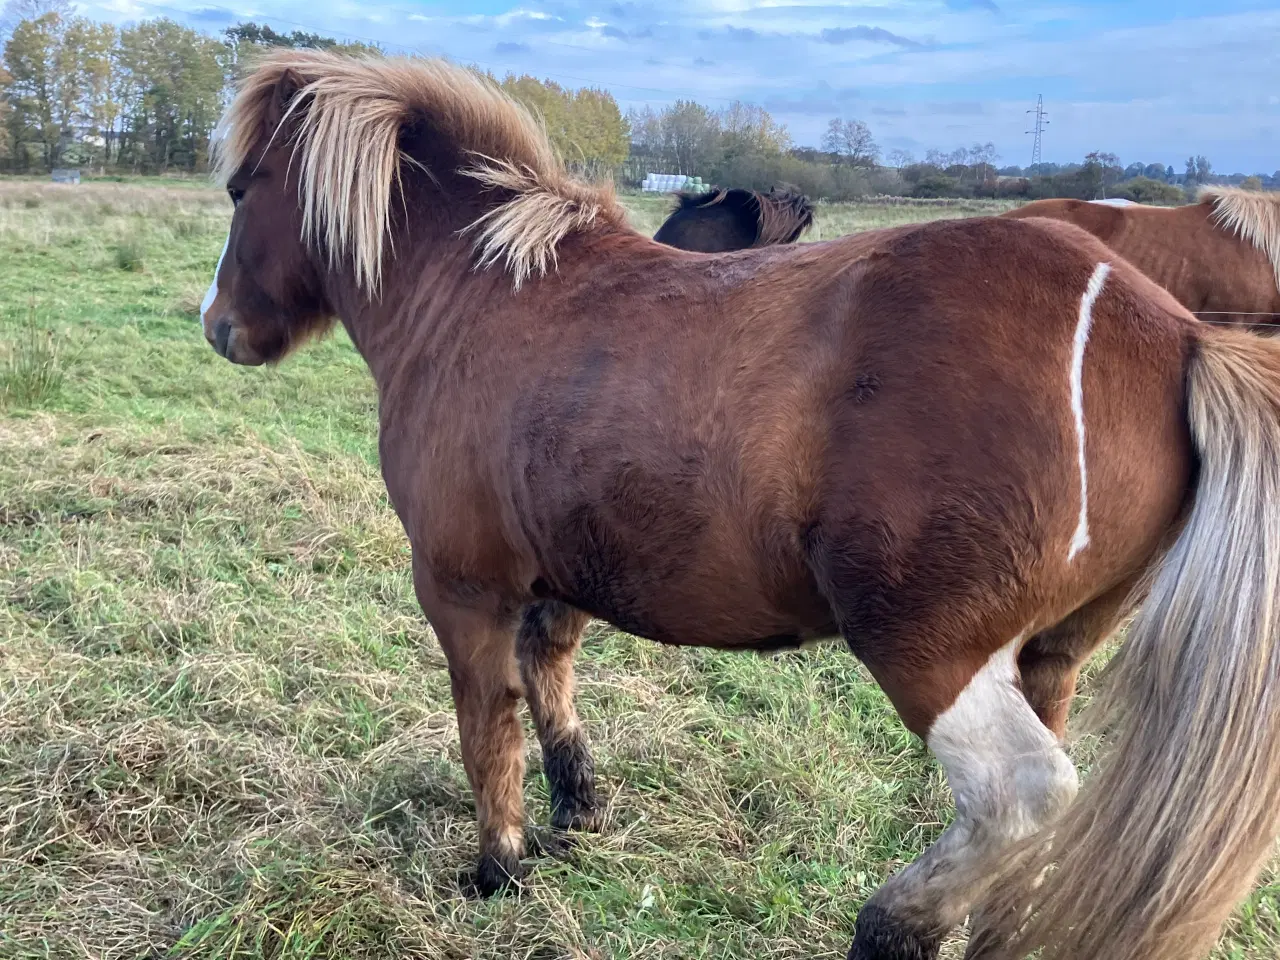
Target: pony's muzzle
{"x": 229, "y": 346}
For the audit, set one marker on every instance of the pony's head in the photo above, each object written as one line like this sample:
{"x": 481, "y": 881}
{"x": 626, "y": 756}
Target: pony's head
{"x": 328, "y": 157}
{"x": 267, "y": 293}
{"x": 720, "y": 220}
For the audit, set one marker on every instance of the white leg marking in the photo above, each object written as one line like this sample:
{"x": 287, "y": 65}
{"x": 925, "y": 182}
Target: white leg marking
{"x": 1009, "y": 776}
{"x": 212, "y": 293}
{"x": 1081, "y": 538}
{"x": 1001, "y": 761}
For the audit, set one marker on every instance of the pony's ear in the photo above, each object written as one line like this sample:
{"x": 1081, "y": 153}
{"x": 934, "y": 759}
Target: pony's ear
{"x": 287, "y": 87}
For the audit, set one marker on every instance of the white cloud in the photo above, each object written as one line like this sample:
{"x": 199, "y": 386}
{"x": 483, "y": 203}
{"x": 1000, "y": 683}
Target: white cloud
{"x": 1162, "y": 90}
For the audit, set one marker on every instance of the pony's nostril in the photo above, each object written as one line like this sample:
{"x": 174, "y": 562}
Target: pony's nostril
{"x": 222, "y": 337}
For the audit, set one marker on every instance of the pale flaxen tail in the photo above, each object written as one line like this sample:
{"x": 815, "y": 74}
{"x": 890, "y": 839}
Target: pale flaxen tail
{"x": 1181, "y": 814}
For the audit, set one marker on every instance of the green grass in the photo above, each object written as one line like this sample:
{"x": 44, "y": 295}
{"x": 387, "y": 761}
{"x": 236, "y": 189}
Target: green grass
{"x": 226, "y": 732}
{"x": 32, "y": 369}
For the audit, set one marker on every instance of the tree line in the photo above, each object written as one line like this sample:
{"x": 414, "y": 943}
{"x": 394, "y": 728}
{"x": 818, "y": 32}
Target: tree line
{"x": 145, "y": 98}
{"x": 744, "y": 146}
{"x": 142, "y": 98}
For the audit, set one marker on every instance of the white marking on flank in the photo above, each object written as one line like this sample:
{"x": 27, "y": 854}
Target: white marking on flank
{"x": 1081, "y": 538}
{"x": 212, "y": 294}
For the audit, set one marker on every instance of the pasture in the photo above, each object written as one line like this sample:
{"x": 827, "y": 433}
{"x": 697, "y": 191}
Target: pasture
{"x": 226, "y": 731}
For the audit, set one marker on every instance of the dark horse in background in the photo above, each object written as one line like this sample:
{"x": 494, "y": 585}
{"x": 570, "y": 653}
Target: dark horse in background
{"x": 958, "y": 446}
{"x": 721, "y": 220}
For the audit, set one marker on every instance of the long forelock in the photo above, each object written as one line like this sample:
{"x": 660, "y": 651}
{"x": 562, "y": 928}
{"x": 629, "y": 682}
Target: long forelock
{"x": 343, "y": 128}
{"x": 1250, "y": 215}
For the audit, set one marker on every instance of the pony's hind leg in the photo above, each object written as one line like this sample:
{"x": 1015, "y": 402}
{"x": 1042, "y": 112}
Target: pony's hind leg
{"x": 1009, "y": 777}
{"x": 1050, "y": 662}
{"x": 546, "y": 644}
{"x": 1048, "y": 666}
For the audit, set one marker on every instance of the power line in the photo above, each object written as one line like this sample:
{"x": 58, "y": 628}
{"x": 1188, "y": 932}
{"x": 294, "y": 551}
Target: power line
{"x": 1042, "y": 121}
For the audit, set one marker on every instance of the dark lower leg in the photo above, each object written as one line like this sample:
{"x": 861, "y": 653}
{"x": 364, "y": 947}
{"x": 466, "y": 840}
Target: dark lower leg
{"x": 547, "y": 642}
{"x": 493, "y": 752}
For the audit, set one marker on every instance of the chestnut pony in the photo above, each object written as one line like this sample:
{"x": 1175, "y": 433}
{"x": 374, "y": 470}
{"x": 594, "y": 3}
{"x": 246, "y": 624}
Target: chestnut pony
{"x": 1220, "y": 257}
{"x": 959, "y": 446}
{"x": 718, "y": 221}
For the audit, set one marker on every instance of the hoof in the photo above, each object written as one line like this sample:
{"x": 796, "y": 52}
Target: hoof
{"x": 879, "y": 935}
{"x": 581, "y": 819}
{"x": 552, "y": 842}
{"x": 496, "y": 874}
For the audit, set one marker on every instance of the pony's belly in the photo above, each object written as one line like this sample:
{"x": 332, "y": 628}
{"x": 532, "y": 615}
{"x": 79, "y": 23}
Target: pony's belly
{"x": 706, "y": 610}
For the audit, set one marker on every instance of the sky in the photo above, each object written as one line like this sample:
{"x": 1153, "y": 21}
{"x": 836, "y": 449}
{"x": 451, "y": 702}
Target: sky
{"x": 1151, "y": 80}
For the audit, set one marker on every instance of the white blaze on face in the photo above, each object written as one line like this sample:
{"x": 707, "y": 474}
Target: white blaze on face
{"x": 212, "y": 293}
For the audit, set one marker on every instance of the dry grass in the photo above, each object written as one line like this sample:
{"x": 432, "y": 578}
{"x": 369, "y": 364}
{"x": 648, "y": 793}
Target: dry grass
{"x": 225, "y": 731}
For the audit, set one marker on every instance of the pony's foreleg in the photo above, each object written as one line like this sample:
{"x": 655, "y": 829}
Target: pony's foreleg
{"x": 485, "y": 679}
{"x": 546, "y": 644}
{"x": 1009, "y": 776}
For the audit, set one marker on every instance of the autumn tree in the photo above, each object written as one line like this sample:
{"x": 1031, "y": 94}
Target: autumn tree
{"x": 690, "y": 135}
{"x": 30, "y": 60}
{"x": 6, "y": 120}
{"x": 851, "y": 142}
{"x": 1199, "y": 171}
{"x": 546, "y": 100}
{"x": 95, "y": 46}
{"x": 1100, "y": 170}
{"x": 84, "y": 63}
{"x": 598, "y": 130}
{"x": 749, "y": 129}
{"x": 13, "y": 12}
{"x": 171, "y": 85}
{"x": 585, "y": 126}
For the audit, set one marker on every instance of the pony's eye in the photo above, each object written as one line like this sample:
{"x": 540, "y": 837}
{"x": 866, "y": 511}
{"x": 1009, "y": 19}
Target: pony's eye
{"x": 236, "y": 195}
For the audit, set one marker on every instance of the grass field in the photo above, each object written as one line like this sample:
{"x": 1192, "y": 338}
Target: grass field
{"x": 226, "y": 732}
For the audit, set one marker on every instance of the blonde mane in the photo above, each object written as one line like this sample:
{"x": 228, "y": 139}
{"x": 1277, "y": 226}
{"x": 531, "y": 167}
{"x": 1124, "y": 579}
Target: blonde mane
{"x": 348, "y": 114}
{"x": 1252, "y": 216}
